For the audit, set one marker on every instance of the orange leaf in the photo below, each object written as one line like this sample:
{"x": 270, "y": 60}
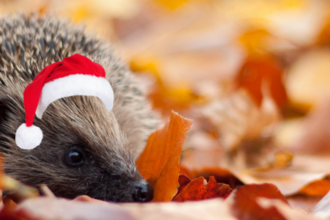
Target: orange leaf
{"x": 316, "y": 188}
{"x": 159, "y": 163}
{"x": 183, "y": 182}
{"x": 245, "y": 206}
{"x": 8, "y": 214}
{"x": 259, "y": 71}
{"x": 198, "y": 190}
{"x": 186, "y": 172}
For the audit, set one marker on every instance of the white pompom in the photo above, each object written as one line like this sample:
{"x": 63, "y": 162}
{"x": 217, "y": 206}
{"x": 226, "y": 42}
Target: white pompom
{"x": 28, "y": 137}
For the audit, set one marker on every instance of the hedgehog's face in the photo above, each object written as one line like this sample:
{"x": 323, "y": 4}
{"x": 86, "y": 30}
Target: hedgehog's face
{"x": 82, "y": 153}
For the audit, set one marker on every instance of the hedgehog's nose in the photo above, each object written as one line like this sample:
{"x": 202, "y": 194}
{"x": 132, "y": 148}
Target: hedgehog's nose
{"x": 143, "y": 192}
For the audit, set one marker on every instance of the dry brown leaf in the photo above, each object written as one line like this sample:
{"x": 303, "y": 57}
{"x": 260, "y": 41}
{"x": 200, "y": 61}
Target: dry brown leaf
{"x": 159, "y": 163}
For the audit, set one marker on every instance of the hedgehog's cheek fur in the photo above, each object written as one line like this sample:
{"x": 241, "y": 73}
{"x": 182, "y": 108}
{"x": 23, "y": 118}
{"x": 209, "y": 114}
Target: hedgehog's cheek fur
{"x": 70, "y": 183}
{"x": 118, "y": 190}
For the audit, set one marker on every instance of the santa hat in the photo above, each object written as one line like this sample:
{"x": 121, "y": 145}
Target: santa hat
{"x": 75, "y": 75}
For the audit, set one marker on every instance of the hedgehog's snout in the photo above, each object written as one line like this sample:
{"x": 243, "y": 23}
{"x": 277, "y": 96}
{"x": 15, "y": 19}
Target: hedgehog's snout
{"x": 142, "y": 191}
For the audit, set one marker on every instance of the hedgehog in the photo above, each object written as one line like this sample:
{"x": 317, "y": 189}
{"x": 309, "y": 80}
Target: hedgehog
{"x": 86, "y": 149}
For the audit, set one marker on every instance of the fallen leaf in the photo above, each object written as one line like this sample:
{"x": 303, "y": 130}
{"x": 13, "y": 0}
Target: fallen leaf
{"x": 8, "y": 214}
{"x": 7, "y": 209}
{"x": 183, "y": 182}
{"x": 302, "y": 202}
{"x": 245, "y": 206}
{"x": 316, "y": 188}
{"x": 49, "y": 208}
{"x": 185, "y": 172}
{"x": 159, "y": 163}
{"x": 258, "y": 72}
{"x": 208, "y": 209}
{"x": 286, "y": 211}
{"x": 288, "y": 180}
{"x": 221, "y": 176}
{"x": 197, "y": 189}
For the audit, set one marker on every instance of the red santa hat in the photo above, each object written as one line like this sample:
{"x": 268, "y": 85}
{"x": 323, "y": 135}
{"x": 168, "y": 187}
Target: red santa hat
{"x": 75, "y": 75}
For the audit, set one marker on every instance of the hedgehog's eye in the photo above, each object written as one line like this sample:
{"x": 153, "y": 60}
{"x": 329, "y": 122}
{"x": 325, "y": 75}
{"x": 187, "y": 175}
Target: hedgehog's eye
{"x": 75, "y": 157}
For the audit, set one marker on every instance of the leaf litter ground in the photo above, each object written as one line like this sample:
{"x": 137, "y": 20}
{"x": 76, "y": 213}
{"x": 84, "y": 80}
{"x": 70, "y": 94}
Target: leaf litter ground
{"x": 254, "y": 84}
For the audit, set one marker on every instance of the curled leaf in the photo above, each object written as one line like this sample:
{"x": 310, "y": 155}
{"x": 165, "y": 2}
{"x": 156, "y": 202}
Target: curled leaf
{"x": 159, "y": 163}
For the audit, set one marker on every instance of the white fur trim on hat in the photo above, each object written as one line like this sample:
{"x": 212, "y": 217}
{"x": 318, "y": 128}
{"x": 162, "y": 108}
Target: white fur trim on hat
{"x": 78, "y": 84}
{"x": 28, "y": 137}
